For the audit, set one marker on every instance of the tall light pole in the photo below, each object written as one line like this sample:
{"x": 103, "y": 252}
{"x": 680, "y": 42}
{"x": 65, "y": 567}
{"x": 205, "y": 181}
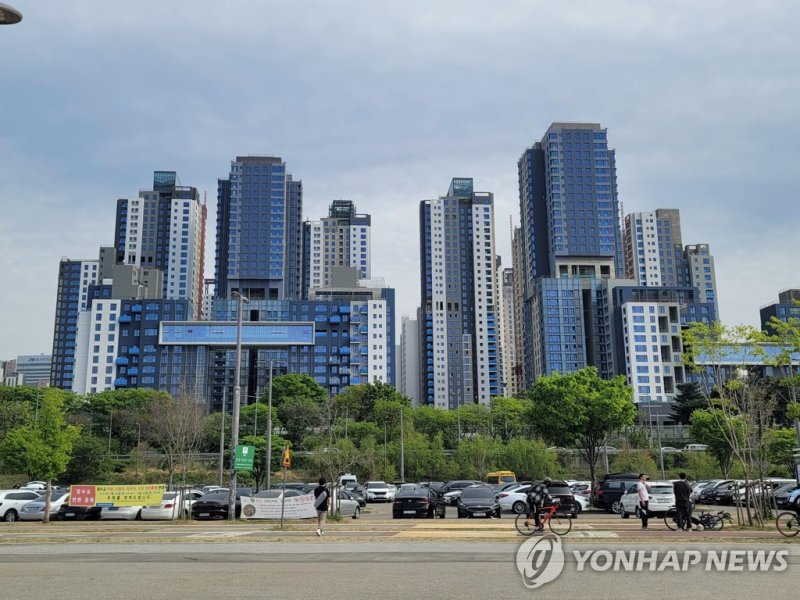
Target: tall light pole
{"x": 237, "y": 398}
{"x": 402, "y": 449}
{"x": 110, "y": 423}
{"x": 268, "y": 453}
{"x": 9, "y": 15}
{"x": 138, "y": 447}
{"x": 222, "y": 437}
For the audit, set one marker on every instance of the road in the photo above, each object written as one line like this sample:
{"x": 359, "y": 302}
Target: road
{"x": 320, "y": 568}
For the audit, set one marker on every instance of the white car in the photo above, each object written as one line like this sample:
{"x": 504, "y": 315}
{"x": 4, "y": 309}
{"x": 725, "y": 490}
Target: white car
{"x": 662, "y": 498}
{"x": 34, "y": 511}
{"x": 695, "y": 448}
{"x": 515, "y": 499}
{"x": 582, "y": 501}
{"x": 377, "y": 491}
{"x": 121, "y": 513}
{"x": 171, "y": 506}
{"x": 348, "y": 506}
{"x": 392, "y": 491}
{"x": 12, "y": 501}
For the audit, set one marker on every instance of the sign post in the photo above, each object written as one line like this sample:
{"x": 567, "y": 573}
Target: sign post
{"x": 286, "y": 461}
{"x": 244, "y": 458}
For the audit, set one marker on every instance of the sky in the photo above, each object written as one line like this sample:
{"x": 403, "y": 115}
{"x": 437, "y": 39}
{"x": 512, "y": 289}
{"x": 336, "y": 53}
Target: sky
{"x": 384, "y": 103}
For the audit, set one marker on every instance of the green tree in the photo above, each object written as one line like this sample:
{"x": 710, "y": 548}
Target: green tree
{"x": 294, "y": 385}
{"x": 529, "y": 459}
{"x": 636, "y": 461}
{"x": 42, "y": 449}
{"x": 712, "y": 427}
{"x": 688, "y": 399}
{"x": 780, "y": 448}
{"x": 89, "y": 460}
{"x": 508, "y": 417}
{"x": 433, "y": 421}
{"x": 298, "y": 414}
{"x": 580, "y": 410}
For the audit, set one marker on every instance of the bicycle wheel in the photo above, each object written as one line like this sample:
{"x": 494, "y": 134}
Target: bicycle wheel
{"x": 788, "y": 524}
{"x": 671, "y": 520}
{"x": 559, "y": 525}
{"x": 519, "y": 523}
{"x": 714, "y": 524}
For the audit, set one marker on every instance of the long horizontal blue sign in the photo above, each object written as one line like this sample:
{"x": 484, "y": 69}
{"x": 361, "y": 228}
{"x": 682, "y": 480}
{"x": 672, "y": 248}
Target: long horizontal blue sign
{"x": 223, "y": 333}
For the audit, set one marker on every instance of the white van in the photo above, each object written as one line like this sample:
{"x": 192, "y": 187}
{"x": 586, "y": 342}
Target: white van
{"x": 347, "y": 478}
{"x": 695, "y": 448}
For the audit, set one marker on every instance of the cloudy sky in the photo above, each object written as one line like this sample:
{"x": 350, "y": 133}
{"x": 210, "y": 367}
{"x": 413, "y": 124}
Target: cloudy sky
{"x": 383, "y": 103}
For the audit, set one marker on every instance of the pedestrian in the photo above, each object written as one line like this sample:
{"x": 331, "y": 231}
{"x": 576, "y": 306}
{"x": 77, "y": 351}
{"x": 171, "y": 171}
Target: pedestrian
{"x": 321, "y": 504}
{"x": 644, "y": 498}
{"x": 683, "y": 502}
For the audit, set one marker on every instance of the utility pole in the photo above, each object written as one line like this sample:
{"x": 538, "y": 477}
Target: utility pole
{"x": 237, "y": 399}
{"x": 402, "y": 449}
{"x": 222, "y": 437}
{"x": 268, "y": 453}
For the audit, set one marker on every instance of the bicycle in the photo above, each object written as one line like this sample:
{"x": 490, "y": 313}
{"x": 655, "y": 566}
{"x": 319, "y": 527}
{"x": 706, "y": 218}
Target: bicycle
{"x": 525, "y": 523}
{"x": 788, "y": 524}
{"x": 710, "y": 522}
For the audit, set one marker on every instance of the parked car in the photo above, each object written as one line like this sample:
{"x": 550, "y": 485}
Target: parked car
{"x": 34, "y": 510}
{"x": 377, "y": 491}
{"x": 515, "y": 499}
{"x": 695, "y": 448}
{"x": 478, "y": 501}
{"x": 12, "y": 501}
{"x": 278, "y": 493}
{"x": 452, "y": 489}
{"x": 662, "y": 498}
{"x": 610, "y": 491}
{"x": 418, "y": 502}
{"x": 567, "y": 505}
{"x": 78, "y": 513}
{"x": 214, "y": 505}
{"x": 174, "y": 505}
{"x": 348, "y": 505}
{"x": 705, "y": 495}
{"x": 699, "y": 486}
{"x": 121, "y": 513}
{"x": 582, "y": 503}
{"x": 782, "y": 494}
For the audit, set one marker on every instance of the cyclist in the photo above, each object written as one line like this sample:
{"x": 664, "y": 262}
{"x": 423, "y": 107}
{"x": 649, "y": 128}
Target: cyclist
{"x": 793, "y": 501}
{"x": 537, "y": 498}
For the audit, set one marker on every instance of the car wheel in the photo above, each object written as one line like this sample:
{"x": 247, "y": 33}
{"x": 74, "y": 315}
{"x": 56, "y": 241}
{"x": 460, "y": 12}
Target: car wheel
{"x": 578, "y": 509}
{"x": 624, "y": 513}
{"x": 616, "y": 506}
{"x": 357, "y": 513}
{"x": 138, "y": 516}
{"x": 10, "y": 516}
{"x": 519, "y": 507}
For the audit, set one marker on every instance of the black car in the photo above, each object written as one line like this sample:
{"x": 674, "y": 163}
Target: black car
{"x": 418, "y": 502}
{"x": 610, "y": 491}
{"x": 478, "y": 501}
{"x": 567, "y": 507}
{"x": 214, "y": 505}
{"x": 78, "y": 513}
{"x": 782, "y": 494}
{"x": 451, "y": 490}
{"x": 708, "y": 495}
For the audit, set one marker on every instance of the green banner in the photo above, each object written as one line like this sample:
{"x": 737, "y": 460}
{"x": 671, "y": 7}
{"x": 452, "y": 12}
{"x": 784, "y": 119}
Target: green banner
{"x": 244, "y": 458}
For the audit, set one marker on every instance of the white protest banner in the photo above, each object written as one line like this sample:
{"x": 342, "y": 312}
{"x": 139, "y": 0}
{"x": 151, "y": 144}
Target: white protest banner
{"x": 295, "y": 507}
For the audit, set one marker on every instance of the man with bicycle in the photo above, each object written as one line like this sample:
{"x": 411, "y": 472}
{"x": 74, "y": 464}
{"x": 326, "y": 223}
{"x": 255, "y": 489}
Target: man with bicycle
{"x": 537, "y": 496}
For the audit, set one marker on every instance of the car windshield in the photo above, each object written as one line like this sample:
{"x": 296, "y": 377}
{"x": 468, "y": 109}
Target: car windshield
{"x": 478, "y": 492}
{"x": 375, "y": 484}
{"x": 169, "y": 496}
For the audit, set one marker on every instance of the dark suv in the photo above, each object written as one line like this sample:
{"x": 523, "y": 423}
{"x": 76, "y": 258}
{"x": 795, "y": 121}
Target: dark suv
{"x": 610, "y": 490}
{"x": 562, "y": 491}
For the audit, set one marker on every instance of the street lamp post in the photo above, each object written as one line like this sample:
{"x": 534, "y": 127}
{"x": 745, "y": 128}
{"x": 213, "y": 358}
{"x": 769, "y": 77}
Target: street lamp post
{"x": 402, "y": 449}
{"x": 268, "y": 453}
{"x": 222, "y": 437}
{"x": 110, "y": 423}
{"x": 237, "y": 398}
{"x": 138, "y": 447}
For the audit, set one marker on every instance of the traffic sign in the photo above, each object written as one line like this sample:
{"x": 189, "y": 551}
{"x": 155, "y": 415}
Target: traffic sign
{"x": 244, "y": 458}
{"x": 286, "y": 461}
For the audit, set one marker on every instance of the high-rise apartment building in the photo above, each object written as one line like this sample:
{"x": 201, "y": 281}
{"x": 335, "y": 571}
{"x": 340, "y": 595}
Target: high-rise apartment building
{"x": 508, "y": 331}
{"x": 701, "y": 273}
{"x": 409, "y": 359}
{"x": 342, "y": 239}
{"x": 259, "y": 230}
{"x": 459, "y": 356}
{"x": 570, "y": 236}
{"x": 787, "y": 307}
{"x": 164, "y": 228}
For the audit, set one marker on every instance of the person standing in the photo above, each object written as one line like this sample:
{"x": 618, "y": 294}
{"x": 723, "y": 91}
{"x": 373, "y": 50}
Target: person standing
{"x": 683, "y": 502}
{"x": 644, "y": 498}
{"x": 321, "y": 504}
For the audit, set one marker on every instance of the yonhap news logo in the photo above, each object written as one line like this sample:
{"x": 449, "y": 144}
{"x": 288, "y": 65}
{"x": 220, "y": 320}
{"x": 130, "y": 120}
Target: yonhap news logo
{"x": 542, "y": 560}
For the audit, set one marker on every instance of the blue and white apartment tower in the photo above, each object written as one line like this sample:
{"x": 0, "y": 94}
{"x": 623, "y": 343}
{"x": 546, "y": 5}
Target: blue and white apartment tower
{"x": 569, "y": 238}
{"x": 259, "y": 231}
{"x": 459, "y": 350}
